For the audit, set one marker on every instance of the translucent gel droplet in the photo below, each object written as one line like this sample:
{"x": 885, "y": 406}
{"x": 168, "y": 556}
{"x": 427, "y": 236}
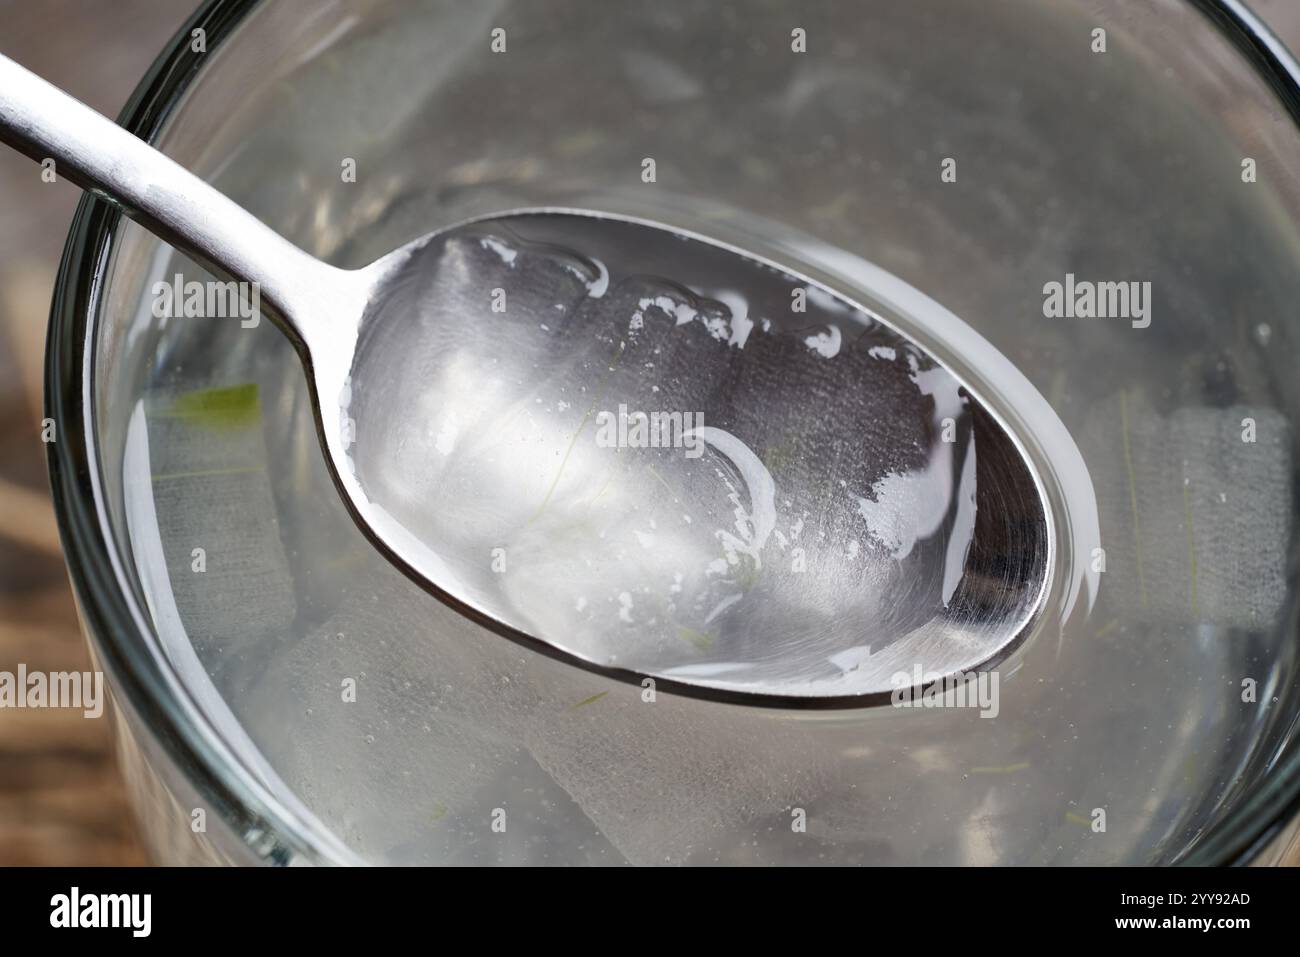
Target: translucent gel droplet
{"x": 660, "y": 455}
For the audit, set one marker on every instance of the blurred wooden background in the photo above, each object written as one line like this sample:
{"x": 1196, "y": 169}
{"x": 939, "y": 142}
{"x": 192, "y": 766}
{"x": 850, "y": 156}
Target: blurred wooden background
{"x": 61, "y": 797}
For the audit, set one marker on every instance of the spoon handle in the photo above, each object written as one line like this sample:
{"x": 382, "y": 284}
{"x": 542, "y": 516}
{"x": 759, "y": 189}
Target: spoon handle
{"x": 42, "y": 121}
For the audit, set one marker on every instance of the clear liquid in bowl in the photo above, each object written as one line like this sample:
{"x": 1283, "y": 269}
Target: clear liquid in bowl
{"x": 451, "y": 723}
{"x": 1126, "y": 698}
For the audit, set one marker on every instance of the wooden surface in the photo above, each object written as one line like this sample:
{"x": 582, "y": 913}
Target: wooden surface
{"x": 61, "y": 797}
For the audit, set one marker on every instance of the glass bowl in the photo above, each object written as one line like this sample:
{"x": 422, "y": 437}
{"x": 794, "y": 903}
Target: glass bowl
{"x": 940, "y": 158}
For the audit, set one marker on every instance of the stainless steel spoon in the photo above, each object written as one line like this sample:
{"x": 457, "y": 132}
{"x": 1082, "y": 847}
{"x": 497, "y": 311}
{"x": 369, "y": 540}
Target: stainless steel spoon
{"x": 644, "y": 451}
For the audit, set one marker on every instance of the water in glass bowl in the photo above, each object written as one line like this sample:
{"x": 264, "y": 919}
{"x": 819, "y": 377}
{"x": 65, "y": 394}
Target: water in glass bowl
{"x": 417, "y": 735}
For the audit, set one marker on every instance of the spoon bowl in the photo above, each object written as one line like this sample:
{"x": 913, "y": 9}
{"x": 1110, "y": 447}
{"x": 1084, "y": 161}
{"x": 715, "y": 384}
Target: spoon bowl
{"x": 681, "y": 461}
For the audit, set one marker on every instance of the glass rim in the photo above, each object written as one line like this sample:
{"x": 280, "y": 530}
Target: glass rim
{"x": 113, "y": 608}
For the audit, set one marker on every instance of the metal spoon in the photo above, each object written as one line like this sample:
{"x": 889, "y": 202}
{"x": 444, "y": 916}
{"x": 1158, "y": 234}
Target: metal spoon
{"x": 640, "y": 450}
